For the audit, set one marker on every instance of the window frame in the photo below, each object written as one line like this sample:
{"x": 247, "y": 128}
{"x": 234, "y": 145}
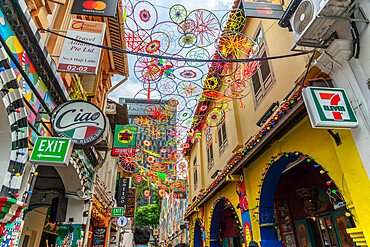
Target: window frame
{"x": 270, "y": 82}
{"x": 209, "y": 150}
{"x": 222, "y": 138}
{"x": 195, "y": 173}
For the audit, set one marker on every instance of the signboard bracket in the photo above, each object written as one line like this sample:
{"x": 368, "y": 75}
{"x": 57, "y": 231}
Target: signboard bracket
{"x": 335, "y": 137}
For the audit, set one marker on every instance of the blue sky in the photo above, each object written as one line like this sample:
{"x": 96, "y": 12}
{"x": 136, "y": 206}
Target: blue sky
{"x": 132, "y": 85}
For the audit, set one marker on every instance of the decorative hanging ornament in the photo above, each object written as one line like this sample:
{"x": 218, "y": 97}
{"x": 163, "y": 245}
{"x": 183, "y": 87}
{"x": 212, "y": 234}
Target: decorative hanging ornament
{"x": 162, "y": 193}
{"x": 194, "y": 136}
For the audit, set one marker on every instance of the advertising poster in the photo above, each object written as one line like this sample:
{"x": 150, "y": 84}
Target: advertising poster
{"x": 124, "y": 138}
{"x": 105, "y": 8}
{"x": 269, "y": 9}
{"x": 81, "y": 58}
{"x": 99, "y": 235}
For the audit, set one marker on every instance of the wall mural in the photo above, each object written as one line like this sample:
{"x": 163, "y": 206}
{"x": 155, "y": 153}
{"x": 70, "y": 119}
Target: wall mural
{"x": 19, "y": 53}
{"x": 243, "y": 204}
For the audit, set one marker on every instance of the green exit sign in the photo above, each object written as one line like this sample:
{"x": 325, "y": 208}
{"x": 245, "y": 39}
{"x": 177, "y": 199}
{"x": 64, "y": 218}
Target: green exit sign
{"x": 51, "y": 150}
{"x": 117, "y": 212}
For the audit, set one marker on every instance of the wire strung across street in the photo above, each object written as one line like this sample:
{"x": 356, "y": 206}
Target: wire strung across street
{"x": 179, "y": 58}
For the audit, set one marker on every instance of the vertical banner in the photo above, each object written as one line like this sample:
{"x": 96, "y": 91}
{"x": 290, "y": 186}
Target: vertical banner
{"x": 81, "y": 58}
{"x": 269, "y": 9}
{"x": 123, "y": 188}
{"x": 124, "y": 138}
{"x": 106, "y": 8}
{"x": 99, "y": 237}
{"x": 131, "y": 203}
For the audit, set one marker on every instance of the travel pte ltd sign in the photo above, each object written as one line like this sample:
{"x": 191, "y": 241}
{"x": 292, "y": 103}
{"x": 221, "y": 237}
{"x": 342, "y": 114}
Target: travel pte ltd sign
{"x": 81, "y": 58}
{"x": 329, "y": 108}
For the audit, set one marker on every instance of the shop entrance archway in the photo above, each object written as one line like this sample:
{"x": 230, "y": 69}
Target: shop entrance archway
{"x": 301, "y": 206}
{"x": 225, "y": 229}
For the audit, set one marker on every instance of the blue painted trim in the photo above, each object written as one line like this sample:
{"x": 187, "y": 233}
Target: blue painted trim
{"x": 197, "y": 234}
{"x": 215, "y": 224}
{"x": 266, "y": 205}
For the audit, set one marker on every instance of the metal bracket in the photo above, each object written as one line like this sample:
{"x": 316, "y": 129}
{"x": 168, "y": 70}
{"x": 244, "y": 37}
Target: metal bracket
{"x": 366, "y": 20}
{"x": 335, "y": 137}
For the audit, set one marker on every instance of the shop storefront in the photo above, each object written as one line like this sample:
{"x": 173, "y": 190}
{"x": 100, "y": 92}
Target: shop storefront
{"x": 100, "y": 216}
{"x": 304, "y": 188}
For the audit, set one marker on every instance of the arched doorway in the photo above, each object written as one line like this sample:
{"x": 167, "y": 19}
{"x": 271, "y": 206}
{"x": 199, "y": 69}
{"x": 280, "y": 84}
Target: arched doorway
{"x": 198, "y": 236}
{"x": 225, "y": 229}
{"x": 300, "y": 205}
{"x": 39, "y": 229}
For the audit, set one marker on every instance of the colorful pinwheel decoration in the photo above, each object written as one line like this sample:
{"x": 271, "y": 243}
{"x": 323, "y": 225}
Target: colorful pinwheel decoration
{"x": 194, "y": 136}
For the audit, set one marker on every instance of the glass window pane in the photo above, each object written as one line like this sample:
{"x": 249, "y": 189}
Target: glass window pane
{"x": 256, "y": 82}
{"x": 265, "y": 68}
{"x": 223, "y": 132}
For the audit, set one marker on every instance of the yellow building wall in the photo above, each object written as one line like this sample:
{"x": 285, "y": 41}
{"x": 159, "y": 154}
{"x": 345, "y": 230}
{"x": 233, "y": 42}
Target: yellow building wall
{"x": 286, "y": 72}
{"x": 342, "y": 162}
{"x": 241, "y": 122}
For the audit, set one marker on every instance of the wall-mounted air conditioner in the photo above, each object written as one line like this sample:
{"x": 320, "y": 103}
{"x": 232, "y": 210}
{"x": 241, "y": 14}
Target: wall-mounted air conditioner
{"x": 314, "y": 20}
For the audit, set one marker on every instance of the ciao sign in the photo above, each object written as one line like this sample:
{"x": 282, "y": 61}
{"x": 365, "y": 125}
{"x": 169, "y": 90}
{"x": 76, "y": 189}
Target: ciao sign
{"x": 80, "y": 121}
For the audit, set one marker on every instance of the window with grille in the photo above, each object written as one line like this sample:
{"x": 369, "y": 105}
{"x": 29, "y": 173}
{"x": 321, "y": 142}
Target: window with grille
{"x": 222, "y": 138}
{"x": 264, "y": 78}
{"x": 195, "y": 173}
{"x": 209, "y": 149}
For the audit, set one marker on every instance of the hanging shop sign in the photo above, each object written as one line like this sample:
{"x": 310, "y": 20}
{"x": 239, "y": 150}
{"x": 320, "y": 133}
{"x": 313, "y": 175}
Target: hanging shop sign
{"x": 97, "y": 8}
{"x": 329, "y": 108}
{"x": 99, "y": 237}
{"x": 123, "y": 186}
{"x": 271, "y": 9}
{"x": 81, "y": 121}
{"x": 131, "y": 203}
{"x": 81, "y": 58}
{"x": 51, "y": 151}
{"x": 122, "y": 221}
{"x": 117, "y": 212}
{"x": 124, "y": 138}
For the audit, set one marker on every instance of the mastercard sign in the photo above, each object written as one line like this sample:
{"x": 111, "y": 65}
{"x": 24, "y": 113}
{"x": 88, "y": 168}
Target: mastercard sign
{"x": 98, "y": 8}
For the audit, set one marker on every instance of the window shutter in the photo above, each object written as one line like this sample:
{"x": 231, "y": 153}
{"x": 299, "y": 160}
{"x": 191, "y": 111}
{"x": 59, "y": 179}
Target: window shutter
{"x": 256, "y": 82}
{"x": 223, "y": 132}
{"x": 265, "y": 69}
{"x": 211, "y": 151}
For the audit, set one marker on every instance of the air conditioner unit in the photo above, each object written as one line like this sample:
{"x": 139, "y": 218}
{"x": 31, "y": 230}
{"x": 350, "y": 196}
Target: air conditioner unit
{"x": 314, "y": 20}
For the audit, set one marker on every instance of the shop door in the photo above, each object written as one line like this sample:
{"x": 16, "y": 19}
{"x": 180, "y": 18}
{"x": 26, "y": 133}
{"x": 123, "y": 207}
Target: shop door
{"x": 328, "y": 236}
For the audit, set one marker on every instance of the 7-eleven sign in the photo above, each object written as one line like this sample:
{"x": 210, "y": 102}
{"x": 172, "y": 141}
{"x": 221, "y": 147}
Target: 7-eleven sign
{"x": 329, "y": 108}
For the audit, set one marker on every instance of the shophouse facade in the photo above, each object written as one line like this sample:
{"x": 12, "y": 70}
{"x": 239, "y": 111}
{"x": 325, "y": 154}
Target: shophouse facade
{"x": 31, "y": 89}
{"x": 265, "y": 174}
